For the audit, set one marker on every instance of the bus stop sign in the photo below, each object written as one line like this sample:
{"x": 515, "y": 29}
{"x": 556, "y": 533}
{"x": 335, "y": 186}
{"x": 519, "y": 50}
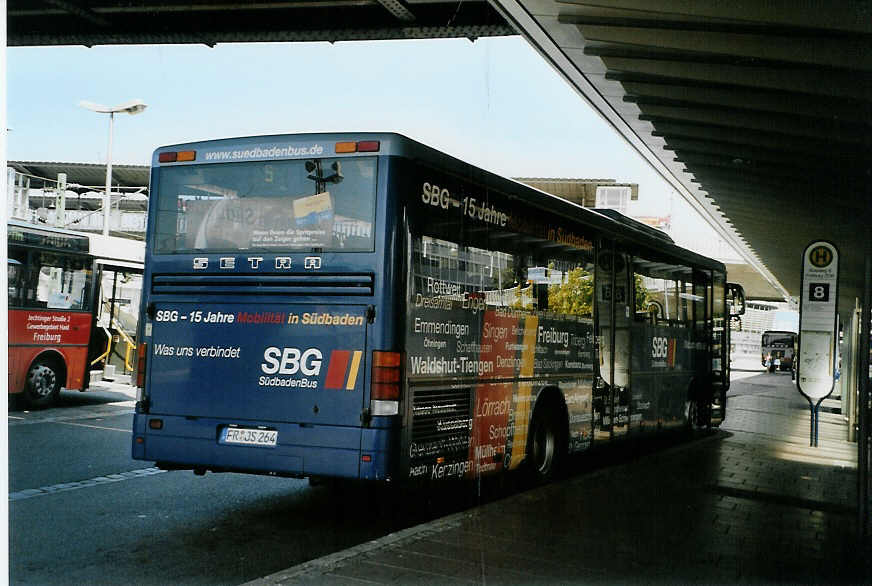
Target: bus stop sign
{"x": 817, "y": 325}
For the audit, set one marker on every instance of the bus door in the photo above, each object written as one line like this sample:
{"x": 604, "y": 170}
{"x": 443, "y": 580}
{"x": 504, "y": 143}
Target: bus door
{"x": 258, "y": 362}
{"x": 612, "y": 391}
{"x": 703, "y": 328}
{"x": 666, "y": 345}
{"x": 720, "y": 346}
{"x": 117, "y": 296}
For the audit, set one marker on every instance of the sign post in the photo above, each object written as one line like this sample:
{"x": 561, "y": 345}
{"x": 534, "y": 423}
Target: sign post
{"x": 818, "y": 335}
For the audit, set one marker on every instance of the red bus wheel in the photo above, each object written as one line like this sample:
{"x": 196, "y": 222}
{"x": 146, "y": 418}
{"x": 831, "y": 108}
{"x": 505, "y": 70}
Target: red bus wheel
{"x": 43, "y": 384}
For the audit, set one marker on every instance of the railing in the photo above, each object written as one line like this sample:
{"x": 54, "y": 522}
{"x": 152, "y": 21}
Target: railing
{"x": 128, "y": 341}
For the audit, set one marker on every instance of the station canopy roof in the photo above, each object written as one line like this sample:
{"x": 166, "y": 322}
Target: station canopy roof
{"x": 91, "y": 176}
{"x": 117, "y": 22}
{"x": 759, "y": 114}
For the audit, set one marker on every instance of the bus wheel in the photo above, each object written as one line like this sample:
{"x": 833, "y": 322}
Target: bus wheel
{"x": 43, "y": 384}
{"x": 545, "y": 445}
{"x": 698, "y": 413}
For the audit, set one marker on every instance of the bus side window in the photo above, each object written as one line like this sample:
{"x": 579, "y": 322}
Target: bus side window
{"x": 569, "y": 288}
{"x": 14, "y": 271}
{"x": 664, "y": 293}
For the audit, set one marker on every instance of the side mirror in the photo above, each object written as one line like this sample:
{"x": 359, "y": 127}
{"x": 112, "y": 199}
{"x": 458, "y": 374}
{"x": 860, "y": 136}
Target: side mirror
{"x": 735, "y": 299}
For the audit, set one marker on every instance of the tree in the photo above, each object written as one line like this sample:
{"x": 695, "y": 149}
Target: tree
{"x": 642, "y": 296}
{"x": 574, "y": 296}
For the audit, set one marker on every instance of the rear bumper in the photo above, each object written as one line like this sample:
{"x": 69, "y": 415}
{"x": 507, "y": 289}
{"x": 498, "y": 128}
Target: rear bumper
{"x": 310, "y": 450}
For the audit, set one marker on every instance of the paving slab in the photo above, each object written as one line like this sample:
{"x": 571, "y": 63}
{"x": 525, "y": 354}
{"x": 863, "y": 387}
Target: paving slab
{"x": 751, "y": 502}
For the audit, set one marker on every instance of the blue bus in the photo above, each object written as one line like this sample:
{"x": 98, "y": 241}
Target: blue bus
{"x": 362, "y": 306}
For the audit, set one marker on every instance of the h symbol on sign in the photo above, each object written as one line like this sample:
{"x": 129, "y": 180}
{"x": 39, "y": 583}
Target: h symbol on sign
{"x": 820, "y": 256}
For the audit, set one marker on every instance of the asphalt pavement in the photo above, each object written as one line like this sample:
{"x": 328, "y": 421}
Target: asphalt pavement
{"x": 82, "y": 511}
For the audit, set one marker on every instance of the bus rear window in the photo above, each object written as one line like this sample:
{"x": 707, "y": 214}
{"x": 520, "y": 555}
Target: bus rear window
{"x": 301, "y": 205}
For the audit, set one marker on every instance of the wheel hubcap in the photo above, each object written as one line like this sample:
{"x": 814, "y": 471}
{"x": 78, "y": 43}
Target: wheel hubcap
{"x": 42, "y": 380}
{"x": 690, "y": 411}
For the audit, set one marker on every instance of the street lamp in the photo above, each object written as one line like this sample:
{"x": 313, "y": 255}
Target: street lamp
{"x": 131, "y": 107}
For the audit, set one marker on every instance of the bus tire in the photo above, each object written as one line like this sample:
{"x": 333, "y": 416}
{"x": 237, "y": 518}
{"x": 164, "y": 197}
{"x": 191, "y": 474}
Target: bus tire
{"x": 698, "y": 409}
{"x": 704, "y": 419}
{"x": 547, "y": 444}
{"x": 43, "y": 383}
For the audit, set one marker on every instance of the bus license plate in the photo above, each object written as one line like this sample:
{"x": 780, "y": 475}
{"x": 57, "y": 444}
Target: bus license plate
{"x": 249, "y": 437}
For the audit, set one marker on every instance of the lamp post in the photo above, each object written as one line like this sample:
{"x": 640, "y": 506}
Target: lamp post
{"x": 131, "y": 107}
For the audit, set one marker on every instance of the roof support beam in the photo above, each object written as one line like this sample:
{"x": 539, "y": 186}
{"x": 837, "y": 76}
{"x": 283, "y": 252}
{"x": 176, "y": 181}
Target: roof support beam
{"x": 77, "y": 9}
{"x": 809, "y": 128}
{"x": 398, "y": 9}
{"x": 672, "y": 127}
{"x": 836, "y": 16}
{"x": 821, "y": 82}
{"x": 768, "y": 44}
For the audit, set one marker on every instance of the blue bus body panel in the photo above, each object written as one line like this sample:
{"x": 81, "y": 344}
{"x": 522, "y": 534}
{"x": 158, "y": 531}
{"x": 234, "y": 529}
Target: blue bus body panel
{"x": 249, "y": 372}
{"x": 301, "y": 449}
{"x": 281, "y": 147}
{"x": 305, "y": 450}
{"x": 289, "y": 363}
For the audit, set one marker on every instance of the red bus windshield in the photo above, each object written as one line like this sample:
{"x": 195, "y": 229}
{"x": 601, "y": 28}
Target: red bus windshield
{"x": 48, "y": 280}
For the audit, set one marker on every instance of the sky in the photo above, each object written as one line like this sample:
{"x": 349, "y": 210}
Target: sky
{"x": 493, "y": 102}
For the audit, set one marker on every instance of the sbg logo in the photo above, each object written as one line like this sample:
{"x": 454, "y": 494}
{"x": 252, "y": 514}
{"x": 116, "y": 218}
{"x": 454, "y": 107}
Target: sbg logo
{"x": 663, "y": 348}
{"x": 291, "y": 361}
{"x": 435, "y": 196}
{"x": 659, "y": 347}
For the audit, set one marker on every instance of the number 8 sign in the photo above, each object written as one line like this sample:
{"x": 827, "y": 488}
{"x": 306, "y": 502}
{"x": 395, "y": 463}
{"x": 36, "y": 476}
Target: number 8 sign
{"x": 819, "y": 292}
{"x": 817, "y": 320}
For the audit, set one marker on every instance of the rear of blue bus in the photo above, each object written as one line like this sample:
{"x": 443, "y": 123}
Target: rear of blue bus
{"x": 268, "y": 283}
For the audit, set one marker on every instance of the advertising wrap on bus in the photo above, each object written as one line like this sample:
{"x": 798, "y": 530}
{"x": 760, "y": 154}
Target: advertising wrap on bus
{"x": 663, "y": 358}
{"x": 252, "y": 361}
{"x": 506, "y": 355}
{"x": 480, "y": 332}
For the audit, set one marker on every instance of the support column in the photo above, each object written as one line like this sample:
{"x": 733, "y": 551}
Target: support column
{"x": 61, "y": 201}
{"x": 863, "y": 400}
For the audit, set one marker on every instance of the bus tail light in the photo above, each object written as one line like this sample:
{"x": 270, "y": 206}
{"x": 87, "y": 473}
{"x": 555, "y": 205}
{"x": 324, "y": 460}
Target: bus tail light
{"x": 386, "y": 383}
{"x": 177, "y": 156}
{"x": 141, "y": 357}
{"x": 368, "y": 146}
{"x": 362, "y": 146}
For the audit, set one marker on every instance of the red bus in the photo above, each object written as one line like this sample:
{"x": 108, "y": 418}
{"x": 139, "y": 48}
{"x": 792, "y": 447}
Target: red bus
{"x": 61, "y": 320}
